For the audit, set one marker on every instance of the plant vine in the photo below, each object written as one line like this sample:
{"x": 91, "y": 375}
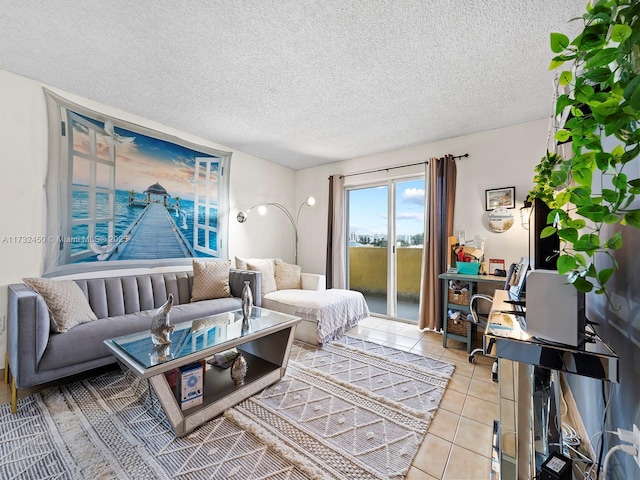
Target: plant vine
{"x": 591, "y": 189}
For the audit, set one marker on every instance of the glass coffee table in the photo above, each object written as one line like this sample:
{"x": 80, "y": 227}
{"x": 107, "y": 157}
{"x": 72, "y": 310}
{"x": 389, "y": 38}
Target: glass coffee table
{"x": 264, "y": 341}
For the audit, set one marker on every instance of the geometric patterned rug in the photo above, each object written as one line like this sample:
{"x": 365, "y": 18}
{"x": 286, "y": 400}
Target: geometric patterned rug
{"x": 351, "y": 410}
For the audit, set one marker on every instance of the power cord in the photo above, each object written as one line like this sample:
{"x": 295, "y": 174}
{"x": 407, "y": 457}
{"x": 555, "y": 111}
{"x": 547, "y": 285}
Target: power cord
{"x": 626, "y": 448}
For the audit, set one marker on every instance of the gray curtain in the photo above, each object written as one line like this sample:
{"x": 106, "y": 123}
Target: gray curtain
{"x": 440, "y": 177}
{"x": 336, "y": 240}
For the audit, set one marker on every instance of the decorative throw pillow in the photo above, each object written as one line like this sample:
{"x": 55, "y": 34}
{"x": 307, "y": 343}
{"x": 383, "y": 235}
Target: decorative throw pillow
{"x": 241, "y": 264}
{"x": 65, "y": 301}
{"x": 266, "y": 267}
{"x": 287, "y": 275}
{"x": 210, "y": 280}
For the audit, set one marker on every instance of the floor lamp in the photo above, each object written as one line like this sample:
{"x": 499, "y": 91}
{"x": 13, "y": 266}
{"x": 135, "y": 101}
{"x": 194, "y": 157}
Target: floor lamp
{"x": 262, "y": 209}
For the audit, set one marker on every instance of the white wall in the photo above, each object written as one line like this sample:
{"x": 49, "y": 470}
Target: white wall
{"x": 23, "y": 156}
{"x": 503, "y": 157}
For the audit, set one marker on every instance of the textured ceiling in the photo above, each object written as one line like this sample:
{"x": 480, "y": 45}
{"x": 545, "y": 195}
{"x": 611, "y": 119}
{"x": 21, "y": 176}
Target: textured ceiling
{"x": 298, "y": 82}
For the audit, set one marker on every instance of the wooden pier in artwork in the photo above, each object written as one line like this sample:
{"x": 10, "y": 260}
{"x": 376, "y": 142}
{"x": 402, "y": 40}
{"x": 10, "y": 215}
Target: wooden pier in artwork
{"x": 151, "y": 236}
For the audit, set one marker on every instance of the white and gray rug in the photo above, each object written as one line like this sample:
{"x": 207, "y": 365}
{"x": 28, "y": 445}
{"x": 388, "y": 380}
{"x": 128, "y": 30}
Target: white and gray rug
{"x": 351, "y": 410}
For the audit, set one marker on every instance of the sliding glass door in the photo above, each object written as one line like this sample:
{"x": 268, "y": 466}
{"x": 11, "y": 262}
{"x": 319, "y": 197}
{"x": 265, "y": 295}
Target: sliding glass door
{"x": 386, "y": 232}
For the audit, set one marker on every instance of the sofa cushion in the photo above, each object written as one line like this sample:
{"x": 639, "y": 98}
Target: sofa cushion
{"x": 267, "y": 269}
{"x": 86, "y": 342}
{"x": 210, "y": 280}
{"x": 288, "y": 276}
{"x": 65, "y": 301}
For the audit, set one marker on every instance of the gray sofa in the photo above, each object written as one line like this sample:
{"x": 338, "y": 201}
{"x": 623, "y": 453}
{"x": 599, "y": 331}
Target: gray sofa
{"x": 123, "y": 305}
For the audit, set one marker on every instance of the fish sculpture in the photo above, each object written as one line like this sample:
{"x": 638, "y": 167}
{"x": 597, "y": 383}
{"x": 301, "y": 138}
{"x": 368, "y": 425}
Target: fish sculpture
{"x": 160, "y": 327}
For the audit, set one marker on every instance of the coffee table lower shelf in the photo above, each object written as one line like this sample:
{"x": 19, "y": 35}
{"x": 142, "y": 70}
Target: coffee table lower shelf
{"x": 264, "y": 340}
{"x": 219, "y": 392}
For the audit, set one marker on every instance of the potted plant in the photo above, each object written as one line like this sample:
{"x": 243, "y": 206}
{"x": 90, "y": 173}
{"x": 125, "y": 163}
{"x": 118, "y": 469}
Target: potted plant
{"x": 599, "y": 73}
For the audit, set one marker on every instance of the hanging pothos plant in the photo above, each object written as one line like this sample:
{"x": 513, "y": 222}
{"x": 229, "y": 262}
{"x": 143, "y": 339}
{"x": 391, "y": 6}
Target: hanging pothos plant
{"x": 603, "y": 100}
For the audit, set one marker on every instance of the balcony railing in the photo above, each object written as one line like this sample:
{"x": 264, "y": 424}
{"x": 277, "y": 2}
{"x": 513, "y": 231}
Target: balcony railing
{"x": 368, "y": 274}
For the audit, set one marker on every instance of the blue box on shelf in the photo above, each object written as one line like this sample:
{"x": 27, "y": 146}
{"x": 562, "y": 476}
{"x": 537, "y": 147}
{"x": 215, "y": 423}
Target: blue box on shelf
{"x": 468, "y": 268}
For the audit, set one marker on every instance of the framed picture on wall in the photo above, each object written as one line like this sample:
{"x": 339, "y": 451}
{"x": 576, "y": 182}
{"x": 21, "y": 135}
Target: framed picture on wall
{"x": 500, "y": 197}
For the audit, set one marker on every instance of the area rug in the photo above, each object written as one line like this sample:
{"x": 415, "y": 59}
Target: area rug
{"x": 350, "y": 410}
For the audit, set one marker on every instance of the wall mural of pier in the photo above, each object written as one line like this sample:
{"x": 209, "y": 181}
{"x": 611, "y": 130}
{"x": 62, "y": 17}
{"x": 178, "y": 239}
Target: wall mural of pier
{"x": 128, "y": 196}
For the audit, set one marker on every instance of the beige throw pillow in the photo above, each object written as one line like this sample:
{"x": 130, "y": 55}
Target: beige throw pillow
{"x": 210, "y": 280}
{"x": 65, "y": 301}
{"x": 266, "y": 267}
{"x": 287, "y": 275}
{"x": 241, "y": 264}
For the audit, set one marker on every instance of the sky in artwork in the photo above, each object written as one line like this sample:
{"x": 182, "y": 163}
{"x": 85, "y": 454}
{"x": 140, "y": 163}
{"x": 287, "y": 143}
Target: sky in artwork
{"x": 141, "y": 161}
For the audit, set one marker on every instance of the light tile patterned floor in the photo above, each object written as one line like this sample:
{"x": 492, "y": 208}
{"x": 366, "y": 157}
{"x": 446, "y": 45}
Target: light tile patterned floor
{"x": 458, "y": 443}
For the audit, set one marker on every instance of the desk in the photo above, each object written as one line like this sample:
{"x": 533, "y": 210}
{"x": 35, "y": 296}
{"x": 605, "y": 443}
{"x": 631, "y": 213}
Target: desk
{"x": 532, "y": 408}
{"x": 472, "y": 280}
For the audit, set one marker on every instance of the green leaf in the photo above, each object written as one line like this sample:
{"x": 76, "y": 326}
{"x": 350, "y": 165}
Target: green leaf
{"x": 598, "y": 75}
{"x": 606, "y": 108}
{"x": 565, "y": 264}
{"x": 580, "y": 259}
{"x": 603, "y": 57}
{"x": 631, "y": 87}
{"x": 634, "y": 101}
{"x": 633, "y": 218}
{"x": 610, "y": 219}
{"x": 617, "y": 152}
{"x": 609, "y": 195}
{"x": 594, "y": 213}
{"x": 604, "y": 275}
{"x": 565, "y": 78}
{"x": 568, "y": 234}
{"x": 559, "y": 41}
{"x": 547, "y": 232}
{"x": 615, "y": 242}
{"x": 584, "y": 93}
{"x": 583, "y": 176}
{"x": 583, "y": 285}
{"x": 562, "y": 198}
{"x": 581, "y": 196}
{"x": 576, "y": 223}
{"x": 620, "y": 33}
{"x": 562, "y": 102}
{"x": 634, "y": 183}
{"x": 562, "y": 135}
{"x": 620, "y": 181}
{"x": 558, "y": 178}
{"x": 630, "y": 154}
{"x": 576, "y": 112}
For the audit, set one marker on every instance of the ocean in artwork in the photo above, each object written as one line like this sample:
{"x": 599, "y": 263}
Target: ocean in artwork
{"x": 181, "y": 212}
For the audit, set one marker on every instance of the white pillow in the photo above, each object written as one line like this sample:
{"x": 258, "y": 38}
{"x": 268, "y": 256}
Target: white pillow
{"x": 266, "y": 267}
{"x": 288, "y": 276}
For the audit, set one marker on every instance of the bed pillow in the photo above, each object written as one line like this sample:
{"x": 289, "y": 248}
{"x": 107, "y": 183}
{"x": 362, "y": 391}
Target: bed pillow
{"x": 288, "y": 276}
{"x": 266, "y": 267}
{"x": 210, "y": 280}
{"x": 65, "y": 301}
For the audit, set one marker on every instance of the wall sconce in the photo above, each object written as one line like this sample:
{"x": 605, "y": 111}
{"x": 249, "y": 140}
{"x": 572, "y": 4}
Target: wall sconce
{"x": 525, "y": 213}
{"x": 262, "y": 210}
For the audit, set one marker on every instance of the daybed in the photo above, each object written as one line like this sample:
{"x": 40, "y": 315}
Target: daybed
{"x": 326, "y": 314}
{"x": 122, "y": 305}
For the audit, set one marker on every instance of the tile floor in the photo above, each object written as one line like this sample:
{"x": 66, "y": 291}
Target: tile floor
{"x": 458, "y": 443}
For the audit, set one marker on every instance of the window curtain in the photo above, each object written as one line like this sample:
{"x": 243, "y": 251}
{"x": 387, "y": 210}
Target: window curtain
{"x": 440, "y": 175}
{"x": 336, "y": 241}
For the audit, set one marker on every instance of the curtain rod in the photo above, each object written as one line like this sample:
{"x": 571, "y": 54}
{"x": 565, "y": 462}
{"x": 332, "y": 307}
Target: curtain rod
{"x": 399, "y": 166}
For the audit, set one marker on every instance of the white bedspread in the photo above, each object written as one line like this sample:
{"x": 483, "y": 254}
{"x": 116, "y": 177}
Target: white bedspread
{"x": 334, "y": 310}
